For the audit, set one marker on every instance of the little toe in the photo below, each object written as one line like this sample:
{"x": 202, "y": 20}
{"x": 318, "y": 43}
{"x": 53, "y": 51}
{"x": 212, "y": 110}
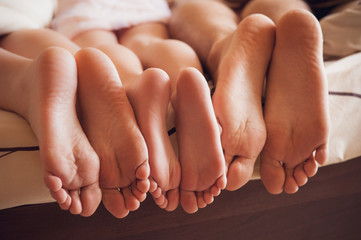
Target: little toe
{"x": 188, "y": 201}
{"x": 290, "y": 185}
{"x": 322, "y": 154}
{"x": 66, "y": 204}
{"x": 131, "y": 202}
{"x": 310, "y": 167}
{"x": 272, "y": 174}
{"x": 173, "y": 199}
{"x": 143, "y": 171}
{"x": 300, "y": 175}
{"x": 222, "y": 182}
{"x": 60, "y": 196}
{"x": 52, "y": 182}
{"x": 75, "y": 207}
{"x": 114, "y": 202}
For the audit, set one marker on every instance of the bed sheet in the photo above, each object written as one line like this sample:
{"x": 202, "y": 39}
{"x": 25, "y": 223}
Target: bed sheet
{"x": 21, "y": 180}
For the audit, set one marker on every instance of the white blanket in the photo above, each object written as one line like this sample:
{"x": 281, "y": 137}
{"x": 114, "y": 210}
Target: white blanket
{"x": 25, "y": 14}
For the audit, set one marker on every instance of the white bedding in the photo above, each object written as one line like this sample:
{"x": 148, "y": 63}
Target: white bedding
{"x": 20, "y": 171}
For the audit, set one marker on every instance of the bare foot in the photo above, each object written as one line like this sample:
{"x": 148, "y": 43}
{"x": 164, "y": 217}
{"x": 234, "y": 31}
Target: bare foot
{"x": 70, "y": 164}
{"x": 198, "y": 134}
{"x": 296, "y": 110}
{"x": 109, "y": 122}
{"x": 239, "y": 64}
{"x": 150, "y": 96}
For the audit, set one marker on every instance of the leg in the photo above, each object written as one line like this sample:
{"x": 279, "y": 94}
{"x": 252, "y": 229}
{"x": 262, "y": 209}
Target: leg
{"x": 296, "y": 112}
{"x": 273, "y": 9}
{"x": 39, "y": 39}
{"x": 48, "y": 92}
{"x": 237, "y": 98}
{"x": 124, "y": 167}
{"x": 175, "y": 57}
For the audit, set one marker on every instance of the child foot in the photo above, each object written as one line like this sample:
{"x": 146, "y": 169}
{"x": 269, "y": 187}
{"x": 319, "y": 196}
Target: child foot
{"x": 149, "y": 96}
{"x": 109, "y": 123}
{"x": 70, "y": 164}
{"x": 296, "y": 112}
{"x": 239, "y": 64}
{"x": 198, "y": 134}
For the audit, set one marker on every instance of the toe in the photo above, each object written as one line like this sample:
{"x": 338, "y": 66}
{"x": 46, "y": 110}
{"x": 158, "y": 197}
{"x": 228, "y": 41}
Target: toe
{"x": 66, "y": 204}
{"x": 60, "y": 196}
{"x": 173, "y": 199}
{"x": 215, "y": 190}
{"x": 131, "y": 202}
{"x": 239, "y": 173}
{"x": 153, "y": 186}
{"x": 75, "y": 207}
{"x": 90, "y": 197}
{"x": 114, "y": 202}
{"x": 160, "y": 200}
{"x": 188, "y": 201}
{"x": 143, "y": 171}
{"x": 300, "y": 175}
{"x": 322, "y": 154}
{"x": 222, "y": 182}
{"x": 272, "y": 174}
{"x": 141, "y": 196}
{"x": 291, "y": 185}
{"x": 208, "y": 197}
{"x": 143, "y": 186}
{"x": 310, "y": 167}
{"x": 157, "y": 192}
{"x": 200, "y": 200}
{"x": 52, "y": 182}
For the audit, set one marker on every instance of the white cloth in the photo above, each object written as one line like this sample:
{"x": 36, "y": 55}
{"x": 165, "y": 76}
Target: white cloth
{"x": 76, "y": 16}
{"x": 19, "y": 14}
{"x": 342, "y": 30}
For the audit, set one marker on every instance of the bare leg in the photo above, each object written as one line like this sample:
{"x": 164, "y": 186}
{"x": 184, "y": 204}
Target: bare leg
{"x": 29, "y": 43}
{"x": 176, "y": 58}
{"x": 71, "y": 167}
{"x": 231, "y": 48}
{"x": 273, "y": 9}
{"x": 296, "y": 111}
{"x": 122, "y": 150}
{"x": 149, "y": 94}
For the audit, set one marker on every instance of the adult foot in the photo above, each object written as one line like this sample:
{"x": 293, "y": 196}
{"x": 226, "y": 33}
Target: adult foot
{"x": 150, "y": 96}
{"x": 296, "y": 110}
{"x": 239, "y": 64}
{"x": 109, "y": 122}
{"x": 70, "y": 164}
{"x": 199, "y": 145}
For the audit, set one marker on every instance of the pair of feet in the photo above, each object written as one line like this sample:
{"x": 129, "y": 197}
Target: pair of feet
{"x": 120, "y": 151}
{"x": 291, "y": 132}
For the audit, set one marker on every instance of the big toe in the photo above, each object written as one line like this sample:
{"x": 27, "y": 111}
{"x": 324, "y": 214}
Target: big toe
{"x": 114, "y": 202}
{"x": 188, "y": 201}
{"x": 272, "y": 174}
{"x": 239, "y": 173}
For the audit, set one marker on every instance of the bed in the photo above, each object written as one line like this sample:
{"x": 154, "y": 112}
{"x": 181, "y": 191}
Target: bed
{"x": 328, "y": 207}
